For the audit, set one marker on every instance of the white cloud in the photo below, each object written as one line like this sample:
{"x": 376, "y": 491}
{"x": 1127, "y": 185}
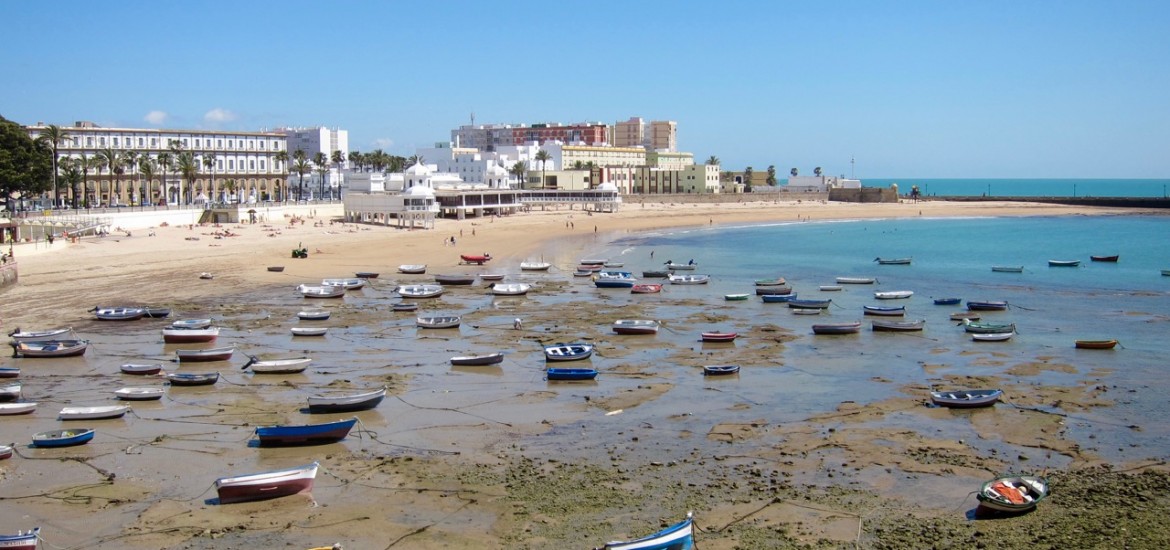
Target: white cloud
{"x": 218, "y": 115}
{"x": 156, "y": 117}
{"x": 383, "y": 143}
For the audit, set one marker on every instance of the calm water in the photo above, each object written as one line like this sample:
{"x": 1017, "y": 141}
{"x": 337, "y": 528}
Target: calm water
{"x": 1029, "y": 187}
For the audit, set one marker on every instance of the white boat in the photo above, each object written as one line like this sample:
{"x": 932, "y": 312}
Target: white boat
{"x": 313, "y": 315}
{"x": 172, "y": 335}
{"x": 321, "y": 291}
{"x": 420, "y": 291}
{"x": 10, "y": 392}
{"x": 683, "y": 267}
{"x": 9, "y": 409}
{"x": 635, "y": 326}
{"x": 992, "y": 336}
{"x": 141, "y": 368}
{"x": 346, "y": 403}
{"x": 139, "y": 394}
{"x": 511, "y": 289}
{"x": 893, "y": 294}
{"x": 448, "y": 321}
{"x": 689, "y": 279}
{"x": 266, "y": 485}
{"x": 855, "y": 280}
{"x": 535, "y": 266}
{"x": 349, "y": 283}
{"x": 193, "y": 324}
{"x": 309, "y": 331}
{"x": 290, "y": 365}
{"x": 92, "y": 413}
{"x": 412, "y": 269}
{"x": 119, "y": 313}
{"x": 830, "y": 288}
{"x": 35, "y": 335}
{"x": 567, "y": 352}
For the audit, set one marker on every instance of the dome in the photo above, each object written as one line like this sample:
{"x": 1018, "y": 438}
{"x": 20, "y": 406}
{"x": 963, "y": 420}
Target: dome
{"x": 496, "y": 170}
{"x": 419, "y": 191}
{"x": 607, "y": 186}
{"x": 417, "y": 170}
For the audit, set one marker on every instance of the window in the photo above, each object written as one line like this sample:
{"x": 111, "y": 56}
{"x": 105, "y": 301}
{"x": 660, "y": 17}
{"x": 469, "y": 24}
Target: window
{"x": 114, "y": 142}
{"x": 261, "y": 164}
{"x": 89, "y": 141}
{"x": 141, "y": 142}
{"x": 261, "y": 145}
{"x": 219, "y": 144}
{"x": 196, "y": 144}
{"x": 219, "y": 164}
{"x": 252, "y": 165}
{"x": 154, "y": 142}
{"x": 184, "y": 143}
{"x": 251, "y": 144}
{"x": 231, "y": 165}
{"x": 102, "y": 141}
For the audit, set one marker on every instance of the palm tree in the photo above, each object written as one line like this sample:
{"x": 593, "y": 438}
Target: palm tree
{"x": 321, "y": 161}
{"x": 817, "y": 171}
{"x": 86, "y": 163}
{"x": 230, "y": 187}
{"x": 338, "y": 159}
{"x": 712, "y": 160}
{"x": 111, "y": 159}
{"x": 543, "y": 157}
{"x": 131, "y": 163}
{"x": 209, "y": 163}
{"x": 300, "y": 166}
{"x": 415, "y": 159}
{"x": 189, "y": 168}
{"x": 396, "y": 163}
{"x": 53, "y": 137}
{"x": 281, "y": 158}
{"x": 356, "y": 159}
{"x": 794, "y": 172}
{"x": 520, "y": 170}
{"x": 71, "y": 170}
{"x": 747, "y": 175}
{"x": 166, "y": 162}
{"x": 147, "y": 169}
{"x": 772, "y": 175}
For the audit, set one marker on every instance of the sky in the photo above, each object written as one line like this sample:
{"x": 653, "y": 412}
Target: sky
{"x": 893, "y": 89}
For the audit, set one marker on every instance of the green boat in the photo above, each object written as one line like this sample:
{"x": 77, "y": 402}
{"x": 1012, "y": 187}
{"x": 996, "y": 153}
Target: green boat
{"x": 988, "y": 328}
{"x": 735, "y": 297}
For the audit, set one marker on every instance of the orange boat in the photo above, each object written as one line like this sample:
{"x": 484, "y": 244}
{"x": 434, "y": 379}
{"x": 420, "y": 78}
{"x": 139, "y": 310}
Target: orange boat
{"x": 648, "y": 288}
{"x": 475, "y": 258}
{"x": 1096, "y": 344}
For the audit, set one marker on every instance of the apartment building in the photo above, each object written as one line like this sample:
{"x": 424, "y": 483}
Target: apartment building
{"x": 492, "y": 136}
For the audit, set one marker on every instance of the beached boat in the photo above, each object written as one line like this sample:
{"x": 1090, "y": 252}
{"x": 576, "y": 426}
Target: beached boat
{"x": 736, "y": 297}
{"x": 898, "y": 326}
{"x": 366, "y": 275}
{"x": 582, "y": 273}
{"x": 157, "y": 312}
{"x": 965, "y": 399}
{"x": 119, "y": 313}
{"x": 1007, "y": 268}
{"x": 837, "y": 328}
{"x": 888, "y": 311}
{"x": 947, "y": 301}
{"x": 63, "y": 438}
{"x": 35, "y": 335}
{"x": 9, "y": 372}
{"x": 614, "y": 282}
{"x": 511, "y": 289}
{"x": 308, "y": 331}
{"x": 567, "y": 352}
{"x": 454, "y": 279}
{"x": 893, "y": 294}
{"x": 771, "y": 282}
{"x": 304, "y": 434}
{"x": 593, "y": 261}
{"x": 679, "y": 536}
{"x": 778, "y": 298}
{"x": 976, "y": 327}
{"x": 892, "y": 261}
{"x": 420, "y": 291}
{"x": 139, "y": 394}
{"x": 412, "y": 269}
{"x": 321, "y": 291}
{"x": 689, "y": 279}
{"x": 172, "y": 335}
{"x": 93, "y": 413}
{"x": 535, "y": 266}
{"x": 266, "y": 485}
{"x": 1064, "y": 263}
{"x": 984, "y": 305}
{"x": 1013, "y": 494}
{"x": 192, "y": 378}
{"x": 21, "y": 540}
{"x": 720, "y": 370}
{"x": 491, "y": 277}
{"x": 655, "y": 274}
{"x": 646, "y": 288}
{"x": 478, "y": 360}
{"x": 614, "y": 264}
{"x": 444, "y": 321}
{"x": 807, "y": 311}
{"x": 635, "y": 326}
{"x": 478, "y": 259}
{"x": 716, "y": 336}
{"x": 49, "y": 348}
{"x": 13, "y": 409}
{"x": 276, "y": 268}
{"x": 206, "y": 275}
{"x": 11, "y": 392}
{"x": 404, "y": 306}
{"x": 347, "y": 403}
{"x": 290, "y": 365}
{"x": 193, "y": 324}
{"x": 570, "y": 374}
{"x": 830, "y": 288}
{"x": 313, "y": 314}
{"x": 681, "y": 267}
{"x": 1112, "y": 258}
{"x": 992, "y": 336}
{"x": 592, "y": 268}
{"x": 6, "y": 453}
{"x": 353, "y": 283}
{"x": 855, "y": 280}
{"x": 960, "y": 315}
{"x": 141, "y": 369}
{"x": 203, "y": 355}
{"x": 1096, "y": 344}
{"x": 810, "y": 304}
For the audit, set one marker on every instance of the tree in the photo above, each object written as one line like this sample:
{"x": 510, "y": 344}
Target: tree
{"x": 131, "y": 162}
{"x": 712, "y": 160}
{"x": 25, "y": 164}
{"x": 165, "y": 162}
{"x": 794, "y": 172}
{"x": 147, "y": 169}
{"x": 543, "y": 157}
{"x": 209, "y": 163}
{"x": 321, "y": 161}
{"x": 413, "y": 160}
{"x": 111, "y": 159}
{"x": 338, "y": 159}
{"x": 747, "y": 175}
{"x": 817, "y": 171}
{"x": 53, "y": 137}
{"x": 300, "y": 166}
{"x": 85, "y": 163}
{"x": 396, "y": 163}
{"x": 230, "y": 187}
{"x": 520, "y": 170}
{"x": 355, "y": 158}
{"x": 771, "y": 175}
{"x": 71, "y": 172}
{"x": 189, "y": 168}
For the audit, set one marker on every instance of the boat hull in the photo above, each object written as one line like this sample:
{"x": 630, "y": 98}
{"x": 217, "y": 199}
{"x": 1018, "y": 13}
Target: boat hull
{"x": 837, "y": 328}
{"x": 266, "y": 485}
{"x": 679, "y": 536}
{"x": 720, "y": 370}
{"x": 204, "y": 355}
{"x": 478, "y": 360}
{"x": 185, "y": 379}
{"x": 304, "y": 435}
{"x": 63, "y": 438}
{"x": 359, "y": 402}
{"x": 966, "y": 399}
{"x": 719, "y": 336}
{"x": 1096, "y": 344}
{"x": 568, "y": 352}
{"x": 50, "y": 348}
{"x": 993, "y": 493}
{"x": 570, "y": 374}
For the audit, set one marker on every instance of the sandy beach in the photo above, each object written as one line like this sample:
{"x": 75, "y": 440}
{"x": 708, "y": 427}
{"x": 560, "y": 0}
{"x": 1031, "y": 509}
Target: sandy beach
{"x": 448, "y": 463}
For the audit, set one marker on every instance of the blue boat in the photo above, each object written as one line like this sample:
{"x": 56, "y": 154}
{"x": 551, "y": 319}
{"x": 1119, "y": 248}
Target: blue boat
{"x": 613, "y": 283}
{"x": 775, "y": 298}
{"x": 63, "y": 438}
{"x": 21, "y": 540}
{"x": 571, "y": 374}
{"x": 947, "y": 301}
{"x": 308, "y": 434}
{"x": 679, "y": 536}
{"x": 809, "y": 304}
{"x": 568, "y": 352}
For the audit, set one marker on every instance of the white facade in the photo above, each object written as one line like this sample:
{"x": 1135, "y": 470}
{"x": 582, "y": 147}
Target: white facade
{"x": 321, "y": 140}
{"x": 821, "y": 184}
{"x": 480, "y": 167}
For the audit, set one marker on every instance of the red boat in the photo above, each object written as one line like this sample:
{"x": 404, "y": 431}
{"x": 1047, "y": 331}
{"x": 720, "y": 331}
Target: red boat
{"x": 720, "y": 336}
{"x": 648, "y": 288}
{"x": 266, "y": 485}
{"x": 475, "y": 259}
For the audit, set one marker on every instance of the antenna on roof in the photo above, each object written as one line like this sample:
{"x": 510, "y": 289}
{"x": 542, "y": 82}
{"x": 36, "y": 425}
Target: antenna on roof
{"x": 473, "y": 118}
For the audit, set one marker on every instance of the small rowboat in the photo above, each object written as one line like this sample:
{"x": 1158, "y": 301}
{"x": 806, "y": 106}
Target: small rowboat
{"x": 1007, "y": 268}
{"x": 535, "y": 266}
{"x": 50, "y": 348}
{"x": 321, "y": 291}
{"x": 478, "y": 360}
{"x": 12, "y": 409}
{"x": 855, "y": 280}
{"x": 174, "y": 335}
{"x": 892, "y": 261}
{"x": 891, "y": 311}
{"x": 192, "y": 324}
{"x": 961, "y": 315}
{"x": 778, "y": 298}
{"x": 11, "y": 392}
{"x": 593, "y": 268}
{"x": 448, "y": 321}
{"x": 635, "y": 326}
{"x": 313, "y": 315}
{"x": 266, "y": 485}
{"x": 347, "y": 403}
{"x": 9, "y": 372}
{"x": 354, "y": 283}
{"x": 206, "y": 276}
{"x": 192, "y": 379}
{"x": 809, "y": 304}
{"x": 1013, "y": 494}
{"x": 837, "y": 328}
{"x": 403, "y": 306}
{"x": 720, "y": 370}
{"x": 735, "y": 297}
{"x": 1112, "y": 258}
{"x": 893, "y": 294}
{"x": 478, "y": 259}
{"x": 570, "y": 374}
{"x": 35, "y": 335}
{"x": 778, "y": 290}
{"x": 6, "y": 453}
{"x": 655, "y": 274}
{"x": 1064, "y": 263}
{"x": 21, "y": 540}
{"x": 987, "y": 328}
{"x": 568, "y": 352}
{"x": 119, "y": 313}
{"x": 719, "y": 336}
{"x": 582, "y": 273}
{"x": 511, "y": 289}
{"x": 92, "y": 413}
{"x": 204, "y": 355}
{"x": 308, "y": 331}
{"x": 973, "y": 305}
{"x": 420, "y": 291}
{"x": 276, "y": 268}
{"x": 1096, "y": 344}
{"x": 614, "y": 264}
{"x": 830, "y": 288}
{"x": 898, "y": 326}
{"x": 679, "y": 536}
{"x": 140, "y": 369}
{"x": 947, "y": 301}
{"x": 412, "y": 269}
{"x": 593, "y": 261}
{"x": 646, "y": 288}
{"x": 290, "y": 365}
{"x": 689, "y": 279}
{"x": 992, "y": 336}
{"x": 63, "y": 438}
{"x": 139, "y": 394}
{"x": 681, "y": 267}
{"x": 307, "y": 434}
{"x": 491, "y": 277}
{"x": 157, "y": 312}
{"x": 771, "y": 282}
{"x": 366, "y": 275}
{"x": 965, "y": 399}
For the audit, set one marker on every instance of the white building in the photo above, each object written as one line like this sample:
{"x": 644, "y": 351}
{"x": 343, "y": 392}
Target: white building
{"x": 820, "y": 184}
{"x": 321, "y": 140}
{"x": 481, "y": 167}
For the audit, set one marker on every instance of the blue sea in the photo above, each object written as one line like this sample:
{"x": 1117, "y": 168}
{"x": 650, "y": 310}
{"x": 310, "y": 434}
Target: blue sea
{"x": 1143, "y": 188}
{"x": 1051, "y": 306}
